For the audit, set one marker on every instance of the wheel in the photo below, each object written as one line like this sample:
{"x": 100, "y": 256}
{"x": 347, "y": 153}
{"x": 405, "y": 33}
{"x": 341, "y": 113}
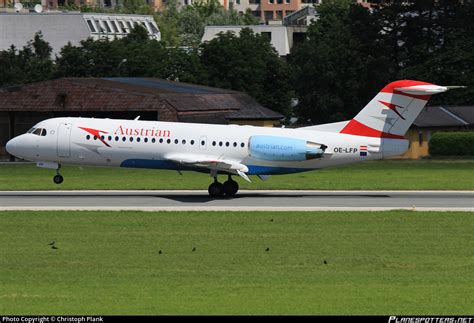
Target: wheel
{"x": 231, "y": 187}
{"x": 216, "y": 189}
{"x": 58, "y": 179}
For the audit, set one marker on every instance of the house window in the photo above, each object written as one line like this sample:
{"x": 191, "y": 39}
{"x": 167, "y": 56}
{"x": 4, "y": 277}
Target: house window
{"x": 153, "y": 28}
{"x": 267, "y": 35}
{"x": 122, "y": 26}
{"x": 114, "y": 25}
{"x": 91, "y": 26}
{"x": 420, "y": 138}
{"x": 107, "y": 27}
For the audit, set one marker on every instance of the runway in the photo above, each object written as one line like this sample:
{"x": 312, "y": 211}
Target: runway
{"x": 243, "y": 201}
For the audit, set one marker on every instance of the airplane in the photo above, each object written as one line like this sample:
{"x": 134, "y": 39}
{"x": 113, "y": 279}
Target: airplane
{"x": 376, "y": 132}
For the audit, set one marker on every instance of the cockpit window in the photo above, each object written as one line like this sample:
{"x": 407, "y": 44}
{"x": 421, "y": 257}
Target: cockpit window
{"x": 38, "y": 131}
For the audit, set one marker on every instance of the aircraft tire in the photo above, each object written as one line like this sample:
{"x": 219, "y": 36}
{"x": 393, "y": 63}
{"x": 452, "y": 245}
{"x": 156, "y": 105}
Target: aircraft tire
{"x": 231, "y": 187}
{"x": 58, "y": 179}
{"x": 216, "y": 189}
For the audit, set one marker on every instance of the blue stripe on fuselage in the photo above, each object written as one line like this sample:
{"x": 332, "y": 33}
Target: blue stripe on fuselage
{"x": 166, "y": 164}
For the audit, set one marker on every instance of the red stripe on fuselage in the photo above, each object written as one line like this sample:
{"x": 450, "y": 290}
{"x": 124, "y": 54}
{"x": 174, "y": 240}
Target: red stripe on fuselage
{"x": 356, "y": 128}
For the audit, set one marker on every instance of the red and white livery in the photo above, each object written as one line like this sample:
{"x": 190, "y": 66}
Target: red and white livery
{"x": 376, "y": 132}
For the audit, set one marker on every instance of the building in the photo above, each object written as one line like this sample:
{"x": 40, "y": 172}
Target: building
{"x": 152, "y": 99}
{"x": 302, "y": 17}
{"x": 271, "y": 11}
{"x": 60, "y": 28}
{"x": 56, "y": 4}
{"x": 433, "y": 119}
{"x": 281, "y": 37}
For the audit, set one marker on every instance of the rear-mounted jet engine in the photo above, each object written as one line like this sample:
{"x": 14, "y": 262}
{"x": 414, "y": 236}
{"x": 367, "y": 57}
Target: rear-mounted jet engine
{"x": 284, "y": 149}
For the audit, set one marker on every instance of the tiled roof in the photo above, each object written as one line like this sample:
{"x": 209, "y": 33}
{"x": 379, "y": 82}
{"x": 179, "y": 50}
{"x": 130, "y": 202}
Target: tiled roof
{"x": 186, "y": 101}
{"x": 445, "y": 116}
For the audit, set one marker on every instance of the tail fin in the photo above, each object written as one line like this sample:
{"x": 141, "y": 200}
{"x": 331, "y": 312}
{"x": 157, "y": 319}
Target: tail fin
{"x": 392, "y": 111}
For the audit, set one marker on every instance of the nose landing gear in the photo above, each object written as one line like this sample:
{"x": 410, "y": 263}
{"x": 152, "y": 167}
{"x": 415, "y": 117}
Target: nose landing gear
{"x": 229, "y": 188}
{"x": 58, "y": 178}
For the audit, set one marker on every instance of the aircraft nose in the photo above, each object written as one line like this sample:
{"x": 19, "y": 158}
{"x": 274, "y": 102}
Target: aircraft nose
{"x": 13, "y": 147}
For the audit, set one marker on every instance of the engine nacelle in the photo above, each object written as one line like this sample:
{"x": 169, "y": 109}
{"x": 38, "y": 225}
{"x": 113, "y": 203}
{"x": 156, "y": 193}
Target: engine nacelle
{"x": 284, "y": 149}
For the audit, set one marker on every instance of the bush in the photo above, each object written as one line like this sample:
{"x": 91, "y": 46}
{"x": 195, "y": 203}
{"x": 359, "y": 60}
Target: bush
{"x": 452, "y": 144}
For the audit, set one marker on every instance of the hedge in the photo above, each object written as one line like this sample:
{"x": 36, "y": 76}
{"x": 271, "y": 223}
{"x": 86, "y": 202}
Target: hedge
{"x": 452, "y": 144}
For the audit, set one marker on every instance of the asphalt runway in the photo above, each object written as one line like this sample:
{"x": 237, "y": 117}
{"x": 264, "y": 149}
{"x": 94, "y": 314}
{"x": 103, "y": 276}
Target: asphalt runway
{"x": 243, "y": 201}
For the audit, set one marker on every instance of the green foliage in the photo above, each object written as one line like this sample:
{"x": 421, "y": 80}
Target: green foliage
{"x": 30, "y": 64}
{"x": 351, "y": 53}
{"x": 336, "y": 68}
{"x": 333, "y": 263}
{"x": 452, "y": 144}
{"x": 186, "y": 27}
{"x": 247, "y": 62}
{"x": 384, "y": 175}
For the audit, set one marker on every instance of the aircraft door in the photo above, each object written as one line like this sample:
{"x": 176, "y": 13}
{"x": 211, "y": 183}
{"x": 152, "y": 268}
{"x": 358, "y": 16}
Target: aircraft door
{"x": 64, "y": 140}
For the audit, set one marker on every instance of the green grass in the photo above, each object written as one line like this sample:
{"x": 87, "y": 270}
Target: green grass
{"x": 388, "y": 175}
{"x": 410, "y": 263}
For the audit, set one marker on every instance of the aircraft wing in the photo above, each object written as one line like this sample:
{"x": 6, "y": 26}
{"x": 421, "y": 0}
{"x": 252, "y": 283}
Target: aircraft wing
{"x": 211, "y": 162}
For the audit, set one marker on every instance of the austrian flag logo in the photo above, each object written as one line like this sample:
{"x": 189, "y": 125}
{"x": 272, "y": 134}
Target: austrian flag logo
{"x": 363, "y": 151}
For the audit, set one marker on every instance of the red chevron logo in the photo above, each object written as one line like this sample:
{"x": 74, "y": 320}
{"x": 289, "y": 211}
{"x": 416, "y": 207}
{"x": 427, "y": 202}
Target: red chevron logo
{"x": 96, "y": 134}
{"x": 393, "y": 107}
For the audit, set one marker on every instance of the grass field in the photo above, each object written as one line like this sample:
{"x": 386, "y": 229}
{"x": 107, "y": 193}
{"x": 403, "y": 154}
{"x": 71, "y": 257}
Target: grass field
{"x": 388, "y": 175}
{"x": 110, "y": 263}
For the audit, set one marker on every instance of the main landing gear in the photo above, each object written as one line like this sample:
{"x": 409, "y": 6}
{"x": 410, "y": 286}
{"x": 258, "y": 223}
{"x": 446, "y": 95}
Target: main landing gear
{"x": 229, "y": 188}
{"x": 58, "y": 178}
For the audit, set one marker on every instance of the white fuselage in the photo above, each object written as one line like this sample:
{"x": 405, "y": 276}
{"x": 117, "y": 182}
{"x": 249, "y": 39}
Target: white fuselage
{"x": 151, "y": 144}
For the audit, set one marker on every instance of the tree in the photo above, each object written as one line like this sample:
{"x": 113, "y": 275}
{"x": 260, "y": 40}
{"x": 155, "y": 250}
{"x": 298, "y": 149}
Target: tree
{"x": 340, "y": 65}
{"x": 31, "y": 64}
{"x": 247, "y": 62}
